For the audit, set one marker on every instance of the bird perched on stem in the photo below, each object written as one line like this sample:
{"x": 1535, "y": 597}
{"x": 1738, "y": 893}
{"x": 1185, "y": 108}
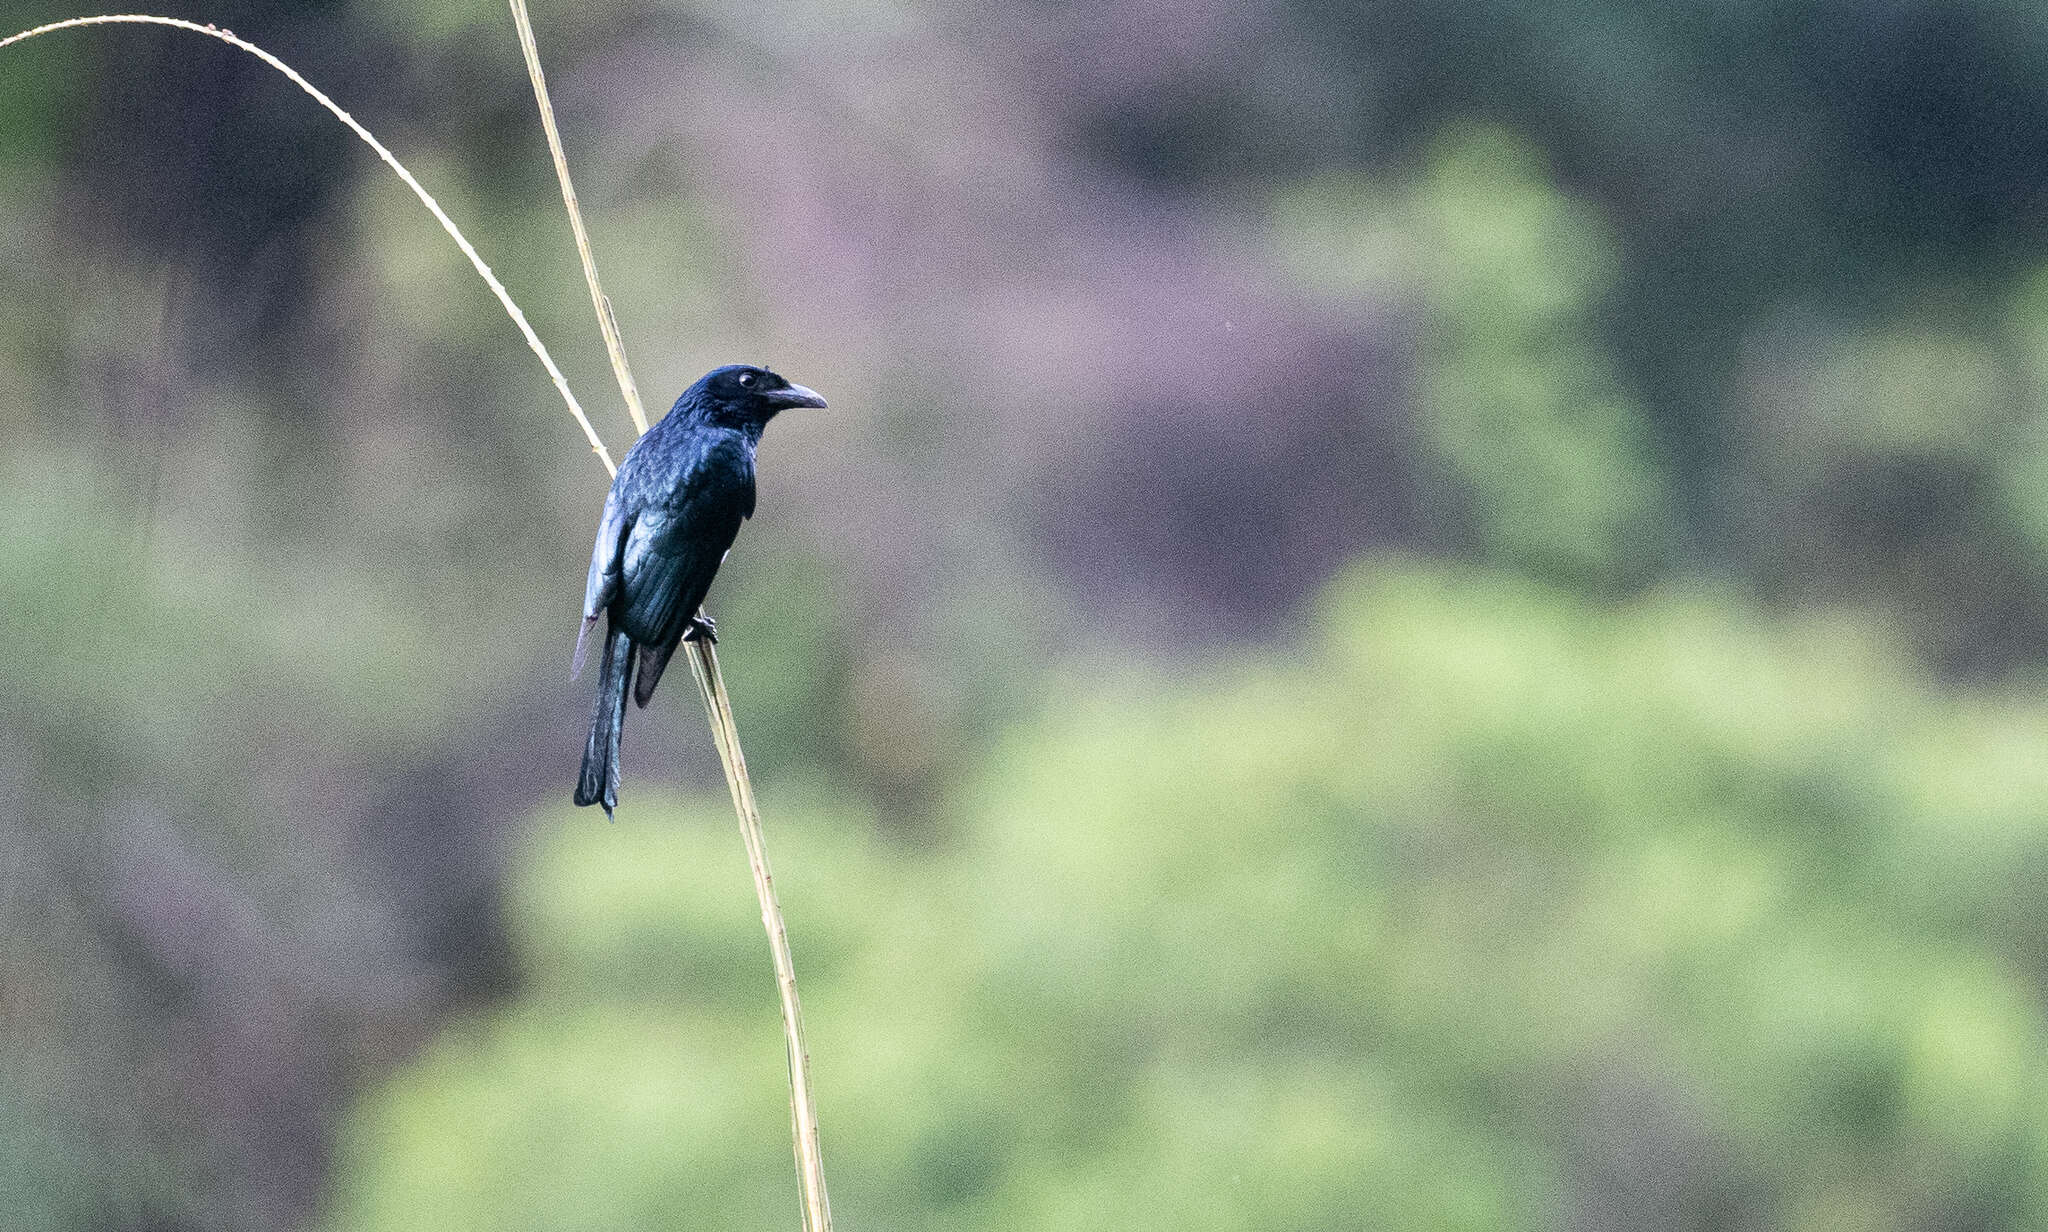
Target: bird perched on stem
{"x": 675, "y": 507}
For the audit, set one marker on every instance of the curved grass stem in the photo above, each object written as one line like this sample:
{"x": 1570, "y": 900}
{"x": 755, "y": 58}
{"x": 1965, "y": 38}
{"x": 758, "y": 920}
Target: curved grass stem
{"x": 426, "y": 198}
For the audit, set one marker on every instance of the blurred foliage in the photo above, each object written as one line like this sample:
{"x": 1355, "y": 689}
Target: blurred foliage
{"x": 1519, "y": 400}
{"x": 1159, "y": 851}
{"x": 1485, "y": 894}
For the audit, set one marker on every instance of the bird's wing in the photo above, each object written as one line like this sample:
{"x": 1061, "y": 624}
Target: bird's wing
{"x": 603, "y": 584}
{"x": 605, "y": 557}
{"x": 672, "y": 551}
{"x": 653, "y": 661}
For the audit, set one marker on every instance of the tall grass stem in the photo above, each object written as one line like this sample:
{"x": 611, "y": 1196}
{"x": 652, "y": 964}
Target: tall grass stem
{"x": 803, "y": 1113}
{"x": 607, "y": 323}
{"x": 810, "y": 1164}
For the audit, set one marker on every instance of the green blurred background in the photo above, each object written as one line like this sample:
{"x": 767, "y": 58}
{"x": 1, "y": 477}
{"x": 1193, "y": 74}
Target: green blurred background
{"x": 1414, "y": 615}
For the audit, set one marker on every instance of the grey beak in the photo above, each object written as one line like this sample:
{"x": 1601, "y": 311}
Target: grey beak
{"x": 796, "y": 395}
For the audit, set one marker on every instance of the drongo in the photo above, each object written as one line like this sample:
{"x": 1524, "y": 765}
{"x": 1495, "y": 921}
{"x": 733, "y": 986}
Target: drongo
{"x": 675, "y": 506}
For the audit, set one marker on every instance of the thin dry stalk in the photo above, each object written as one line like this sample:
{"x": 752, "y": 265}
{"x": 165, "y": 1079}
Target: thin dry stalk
{"x": 607, "y": 323}
{"x": 803, "y": 1113}
{"x": 390, "y": 159}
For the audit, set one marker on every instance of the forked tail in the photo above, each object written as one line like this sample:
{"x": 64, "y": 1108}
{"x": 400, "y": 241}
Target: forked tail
{"x": 599, "y": 782}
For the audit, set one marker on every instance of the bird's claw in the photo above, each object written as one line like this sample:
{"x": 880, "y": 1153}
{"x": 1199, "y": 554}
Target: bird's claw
{"x": 701, "y": 628}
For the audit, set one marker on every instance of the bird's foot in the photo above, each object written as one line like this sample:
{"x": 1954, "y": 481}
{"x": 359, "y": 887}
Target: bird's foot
{"x": 701, "y": 627}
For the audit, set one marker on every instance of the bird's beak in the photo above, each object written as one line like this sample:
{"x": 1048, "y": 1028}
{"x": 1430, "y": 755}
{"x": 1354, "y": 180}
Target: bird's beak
{"x": 794, "y": 396}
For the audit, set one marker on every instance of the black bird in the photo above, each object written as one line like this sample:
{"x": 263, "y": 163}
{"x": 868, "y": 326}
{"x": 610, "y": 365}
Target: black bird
{"x": 674, "y": 509}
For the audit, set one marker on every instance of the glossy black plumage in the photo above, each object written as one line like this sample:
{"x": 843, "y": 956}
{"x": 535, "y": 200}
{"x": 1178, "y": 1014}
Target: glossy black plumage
{"x": 674, "y": 509}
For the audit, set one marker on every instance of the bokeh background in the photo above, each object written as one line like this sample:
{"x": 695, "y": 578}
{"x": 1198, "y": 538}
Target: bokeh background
{"x": 1418, "y": 615}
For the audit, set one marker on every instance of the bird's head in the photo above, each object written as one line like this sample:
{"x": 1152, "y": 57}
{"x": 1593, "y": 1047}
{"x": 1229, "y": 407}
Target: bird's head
{"x": 743, "y": 396}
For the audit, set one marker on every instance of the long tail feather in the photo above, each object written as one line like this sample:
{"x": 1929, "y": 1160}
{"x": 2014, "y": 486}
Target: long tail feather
{"x": 599, "y": 781}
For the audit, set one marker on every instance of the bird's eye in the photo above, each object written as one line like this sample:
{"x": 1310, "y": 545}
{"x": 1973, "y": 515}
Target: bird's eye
{"x": 746, "y": 378}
